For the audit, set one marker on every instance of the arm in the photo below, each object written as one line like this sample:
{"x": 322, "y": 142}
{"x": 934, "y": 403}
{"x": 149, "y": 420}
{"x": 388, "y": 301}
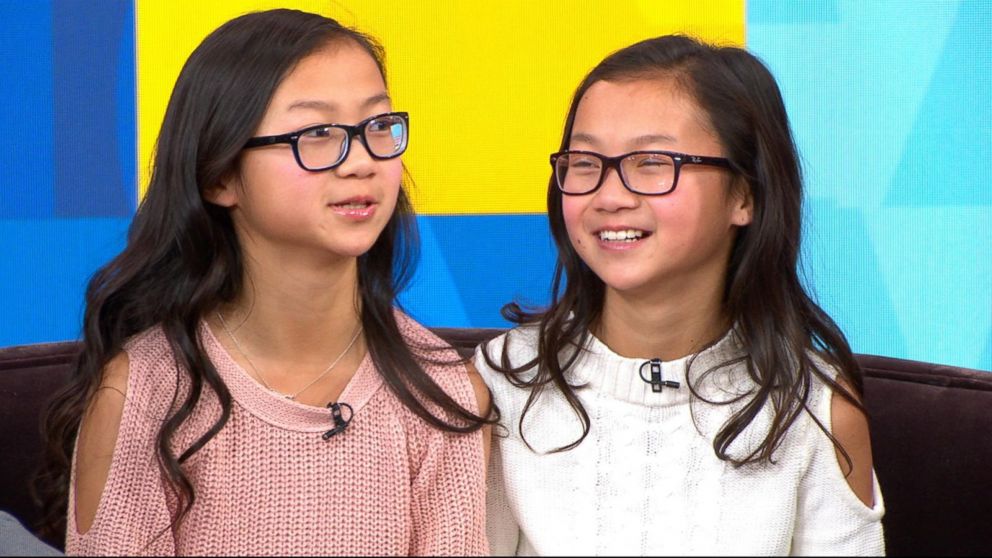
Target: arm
{"x": 850, "y": 426}
{"x": 117, "y": 501}
{"x": 501, "y": 526}
{"x": 840, "y": 507}
{"x": 484, "y": 407}
{"x": 449, "y": 497}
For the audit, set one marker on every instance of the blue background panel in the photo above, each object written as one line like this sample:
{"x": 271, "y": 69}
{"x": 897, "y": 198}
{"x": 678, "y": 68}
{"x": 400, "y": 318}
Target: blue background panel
{"x": 45, "y": 266}
{"x": 472, "y": 265}
{"x": 26, "y": 107}
{"x": 67, "y": 158}
{"x": 94, "y": 123}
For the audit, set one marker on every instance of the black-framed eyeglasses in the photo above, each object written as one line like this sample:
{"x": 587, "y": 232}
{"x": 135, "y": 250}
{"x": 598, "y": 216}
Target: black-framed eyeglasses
{"x": 650, "y": 173}
{"x": 325, "y": 146}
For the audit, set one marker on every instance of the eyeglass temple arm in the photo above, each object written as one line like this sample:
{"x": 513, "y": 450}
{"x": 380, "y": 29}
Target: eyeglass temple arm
{"x": 269, "y": 140}
{"x": 703, "y": 160}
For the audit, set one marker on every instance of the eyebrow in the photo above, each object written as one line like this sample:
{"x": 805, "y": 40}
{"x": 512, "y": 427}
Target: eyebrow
{"x": 331, "y": 107}
{"x": 639, "y": 141}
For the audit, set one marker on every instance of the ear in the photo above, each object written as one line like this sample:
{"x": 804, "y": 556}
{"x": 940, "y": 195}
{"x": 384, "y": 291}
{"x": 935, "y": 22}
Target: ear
{"x": 742, "y": 204}
{"x": 225, "y": 192}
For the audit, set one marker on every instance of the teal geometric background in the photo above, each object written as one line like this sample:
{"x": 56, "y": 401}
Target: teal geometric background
{"x": 890, "y": 102}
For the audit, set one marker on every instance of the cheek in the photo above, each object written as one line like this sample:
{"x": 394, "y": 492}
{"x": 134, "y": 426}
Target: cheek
{"x": 275, "y": 167}
{"x": 678, "y": 211}
{"x": 572, "y": 209}
{"x": 692, "y": 219}
{"x": 392, "y": 179}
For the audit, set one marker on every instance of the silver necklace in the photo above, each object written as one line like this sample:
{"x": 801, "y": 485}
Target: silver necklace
{"x": 293, "y": 396}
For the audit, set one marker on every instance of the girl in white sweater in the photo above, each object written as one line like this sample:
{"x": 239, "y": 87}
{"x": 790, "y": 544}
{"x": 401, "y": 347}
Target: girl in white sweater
{"x": 682, "y": 394}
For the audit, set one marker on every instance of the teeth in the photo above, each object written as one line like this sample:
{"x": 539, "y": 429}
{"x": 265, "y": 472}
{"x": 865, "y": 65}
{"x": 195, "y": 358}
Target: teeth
{"x": 629, "y": 235}
{"x": 353, "y": 205}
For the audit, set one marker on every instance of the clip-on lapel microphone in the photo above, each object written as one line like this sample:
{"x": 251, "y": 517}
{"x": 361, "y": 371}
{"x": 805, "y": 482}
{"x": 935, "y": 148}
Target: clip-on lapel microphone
{"x": 340, "y": 423}
{"x": 656, "y": 380}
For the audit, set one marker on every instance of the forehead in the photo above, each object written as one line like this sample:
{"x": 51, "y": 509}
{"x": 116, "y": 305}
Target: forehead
{"x": 617, "y": 110}
{"x": 339, "y": 74}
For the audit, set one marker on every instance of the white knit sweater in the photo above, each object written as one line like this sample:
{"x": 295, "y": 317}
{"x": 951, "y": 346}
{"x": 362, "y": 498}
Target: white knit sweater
{"x": 646, "y": 480}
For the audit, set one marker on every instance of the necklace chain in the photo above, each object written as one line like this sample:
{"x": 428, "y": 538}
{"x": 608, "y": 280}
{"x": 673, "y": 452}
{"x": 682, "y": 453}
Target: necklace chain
{"x": 293, "y": 396}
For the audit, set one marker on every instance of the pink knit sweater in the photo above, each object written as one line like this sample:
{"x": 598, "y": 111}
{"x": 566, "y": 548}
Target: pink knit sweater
{"x": 269, "y": 484}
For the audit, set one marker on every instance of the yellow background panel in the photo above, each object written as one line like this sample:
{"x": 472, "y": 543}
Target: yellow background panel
{"x": 487, "y": 84}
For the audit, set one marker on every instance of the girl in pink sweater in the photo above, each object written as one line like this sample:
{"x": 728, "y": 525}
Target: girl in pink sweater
{"x": 246, "y": 385}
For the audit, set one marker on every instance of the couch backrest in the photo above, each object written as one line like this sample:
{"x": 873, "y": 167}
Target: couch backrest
{"x": 931, "y": 434}
{"x": 931, "y": 429}
{"x": 29, "y": 375}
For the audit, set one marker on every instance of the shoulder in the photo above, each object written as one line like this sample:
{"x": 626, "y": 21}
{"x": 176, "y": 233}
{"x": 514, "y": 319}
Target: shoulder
{"x": 416, "y": 334}
{"x": 149, "y": 348}
{"x": 502, "y": 362}
{"x": 441, "y": 362}
{"x": 134, "y": 377}
{"x": 152, "y": 374}
{"x": 483, "y": 398}
{"x": 98, "y": 433}
{"x": 105, "y": 409}
{"x": 828, "y": 403}
{"x": 839, "y": 410}
{"x": 515, "y": 348}
{"x": 428, "y": 348}
{"x": 116, "y": 374}
{"x": 849, "y": 425}
{"x": 724, "y": 379}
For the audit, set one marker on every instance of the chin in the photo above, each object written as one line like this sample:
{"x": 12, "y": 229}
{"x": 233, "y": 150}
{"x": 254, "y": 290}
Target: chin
{"x": 352, "y": 251}
{"x": 350, "y": 244}
{"x": 628, "y": 288}
{"x": 621, "y": 281}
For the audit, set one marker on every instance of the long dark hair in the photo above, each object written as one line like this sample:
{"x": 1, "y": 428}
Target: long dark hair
{"x": 777, "y": 323}
{"x": 183, "y": 259}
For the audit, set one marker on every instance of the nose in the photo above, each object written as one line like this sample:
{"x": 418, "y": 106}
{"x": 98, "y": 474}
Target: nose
{"x": 357, "y": 162}
{"x": 612, "y": 195}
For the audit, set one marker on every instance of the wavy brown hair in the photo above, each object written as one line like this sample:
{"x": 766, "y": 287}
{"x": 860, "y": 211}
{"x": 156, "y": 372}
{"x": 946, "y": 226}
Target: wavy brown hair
{"x": 776, "y": 321}
{"x": 183, "y": 258}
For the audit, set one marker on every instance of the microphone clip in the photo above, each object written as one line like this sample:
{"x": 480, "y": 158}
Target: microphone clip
{"x": 655, "y": 377}
{"x": 340, "y": 423}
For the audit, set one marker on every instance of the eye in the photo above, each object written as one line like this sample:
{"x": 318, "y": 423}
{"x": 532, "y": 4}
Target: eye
{"x": 389, "y": 126}
{"x": 322, "y": 134}
{"x": 377, "y": 126}
{"x": 653, "y": 160}
{"x": 319, "y": 133}
{"x": 583, "y": 162}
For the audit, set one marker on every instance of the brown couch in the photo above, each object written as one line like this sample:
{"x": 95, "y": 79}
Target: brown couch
{"x": 931, "y": 431}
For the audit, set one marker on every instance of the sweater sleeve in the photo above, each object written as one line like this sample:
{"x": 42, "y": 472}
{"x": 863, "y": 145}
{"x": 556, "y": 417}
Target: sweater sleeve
{"x": 831, "y": 519}
{"x": 133, "y": 516}
{"x": 449, "y": 498}
{"x": 448, "y": 483}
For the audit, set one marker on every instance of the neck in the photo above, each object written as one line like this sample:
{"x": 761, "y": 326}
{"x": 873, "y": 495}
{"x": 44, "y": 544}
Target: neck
{"x": 664, "y": 323}
{"x": 296, "y": 313}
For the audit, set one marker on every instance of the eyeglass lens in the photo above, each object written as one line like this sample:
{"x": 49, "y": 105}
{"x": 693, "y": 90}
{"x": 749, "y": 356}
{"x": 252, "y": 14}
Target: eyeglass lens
{"x": 326, "y": 146}
{"x": 648, "y": 173}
